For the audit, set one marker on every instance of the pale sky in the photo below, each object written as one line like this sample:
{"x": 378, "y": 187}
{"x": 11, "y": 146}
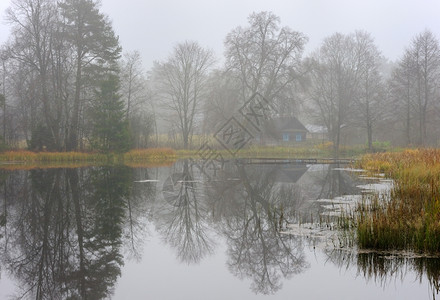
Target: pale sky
{"x": 154, "y": 26}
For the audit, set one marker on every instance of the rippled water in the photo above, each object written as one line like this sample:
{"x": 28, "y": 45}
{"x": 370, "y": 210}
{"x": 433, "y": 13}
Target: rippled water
{"x": 246, "y": 231}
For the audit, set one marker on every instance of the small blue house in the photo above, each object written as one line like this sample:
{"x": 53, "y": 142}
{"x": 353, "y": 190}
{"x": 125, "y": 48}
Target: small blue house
{"x": 286, "y": 130}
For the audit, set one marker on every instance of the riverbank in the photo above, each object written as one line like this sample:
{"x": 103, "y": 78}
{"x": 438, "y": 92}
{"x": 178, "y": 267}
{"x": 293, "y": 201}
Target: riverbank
{"x": 20, "y": 159}
{"x": 410, "y": 218}
{"x": 140, "y": 157}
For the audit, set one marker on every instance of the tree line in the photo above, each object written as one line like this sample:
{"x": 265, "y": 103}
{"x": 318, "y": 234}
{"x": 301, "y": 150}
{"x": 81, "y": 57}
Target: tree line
{"x": 66, "y": 85}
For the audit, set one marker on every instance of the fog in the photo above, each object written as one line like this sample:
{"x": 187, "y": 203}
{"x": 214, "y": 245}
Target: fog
{"x": 154, "y": 27}
{"x": 113, "y": 76}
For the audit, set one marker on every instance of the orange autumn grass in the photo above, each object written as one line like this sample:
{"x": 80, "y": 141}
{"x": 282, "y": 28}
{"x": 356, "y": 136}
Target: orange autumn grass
{"x": 410, "y": 219}
{"x": 26, "y": 159}
{"x": 150, "y": 154}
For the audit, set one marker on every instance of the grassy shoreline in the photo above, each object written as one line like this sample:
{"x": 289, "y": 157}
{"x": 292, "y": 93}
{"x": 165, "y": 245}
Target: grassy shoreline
{"x": 167, "y": 154}
{"x": 410, "y": 218}
{"x": 140, "y": 157}
{"x": 22, "y": 159}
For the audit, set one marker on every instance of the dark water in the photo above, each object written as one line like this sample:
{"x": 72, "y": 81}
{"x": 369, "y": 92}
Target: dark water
{"x": 181, "y": 232}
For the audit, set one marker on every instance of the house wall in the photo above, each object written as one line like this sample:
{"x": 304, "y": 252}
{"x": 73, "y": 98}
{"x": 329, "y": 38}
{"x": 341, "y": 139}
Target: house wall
{"x": 293, "y": 137}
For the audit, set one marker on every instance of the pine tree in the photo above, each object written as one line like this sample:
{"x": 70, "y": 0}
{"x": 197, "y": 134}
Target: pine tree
{"x": 96, "y": 48}
{"x": 109, "y": 125}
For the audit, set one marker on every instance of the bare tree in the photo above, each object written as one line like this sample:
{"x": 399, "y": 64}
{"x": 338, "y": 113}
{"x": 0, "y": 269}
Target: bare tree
{"x": 133, "y": 89}
{"x": 34, "y": 28}
{"x": 3, "y": 59}
{"x": 425, "y": 53}
{"x": 181, "y": 81}
{"x": 370, "y": 96}
{"x": 221, "y": 102}
{"x": 334, "y": 74}
{"x": 401, "y": 89}
{"x": 264, "y": 57}
{"x": 137, "y": 98}
{"x": 414, "y": 85}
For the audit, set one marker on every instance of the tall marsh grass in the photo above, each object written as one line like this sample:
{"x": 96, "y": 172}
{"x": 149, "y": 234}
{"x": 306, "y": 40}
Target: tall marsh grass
{"x": 410, "y": 218}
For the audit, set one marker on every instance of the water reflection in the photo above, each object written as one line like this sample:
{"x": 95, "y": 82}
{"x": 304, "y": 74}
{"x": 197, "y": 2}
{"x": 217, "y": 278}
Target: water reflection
{"x": 65, "y": 233}
{"x": 256, "y": 248}
{"x": 386, "y": 268}
{"x": 247, "y": 205}
{"x": 182, "y": 219}
{"x": 139, "y": 210}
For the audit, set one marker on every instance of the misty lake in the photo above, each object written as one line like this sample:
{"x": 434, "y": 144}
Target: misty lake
{"x": 246, "y": 231}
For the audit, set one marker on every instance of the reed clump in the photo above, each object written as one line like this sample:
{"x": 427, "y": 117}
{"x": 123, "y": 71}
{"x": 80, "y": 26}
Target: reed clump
{"x": 410, "y": 218}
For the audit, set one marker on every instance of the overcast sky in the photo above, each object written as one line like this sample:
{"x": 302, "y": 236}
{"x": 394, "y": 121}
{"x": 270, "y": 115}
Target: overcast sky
{"x": 154, "y": 26}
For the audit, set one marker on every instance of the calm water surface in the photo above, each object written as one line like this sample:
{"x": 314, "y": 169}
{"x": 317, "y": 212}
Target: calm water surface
{"x": 248, "y": 231}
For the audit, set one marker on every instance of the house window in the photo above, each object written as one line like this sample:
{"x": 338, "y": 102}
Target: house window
{"x": 298, "y": 137}
{"x": 285, "y": 137}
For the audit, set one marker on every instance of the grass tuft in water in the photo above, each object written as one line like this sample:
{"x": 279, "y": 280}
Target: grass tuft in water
{"x": 410, "y": 218}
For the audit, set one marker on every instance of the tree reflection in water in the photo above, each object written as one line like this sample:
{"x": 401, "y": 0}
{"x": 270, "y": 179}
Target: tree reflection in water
{"x": 248, "y": 211}
{"x": 139, "y": 212}
{"x": 256, "y": 248}
{"x": 182, "y": 219}
{"x": 64, "y": 232}
{"x": 386, "y": 268}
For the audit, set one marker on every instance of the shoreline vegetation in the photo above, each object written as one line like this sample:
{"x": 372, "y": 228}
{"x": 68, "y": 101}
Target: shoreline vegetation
{"x": 409, "y": 219}
{"x": 24, "y": 159}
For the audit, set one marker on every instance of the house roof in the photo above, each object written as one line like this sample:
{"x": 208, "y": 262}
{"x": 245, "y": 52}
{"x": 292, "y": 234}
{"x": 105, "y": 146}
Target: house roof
{"x": 288, "y": 124}
{"x": 316, "y": 128}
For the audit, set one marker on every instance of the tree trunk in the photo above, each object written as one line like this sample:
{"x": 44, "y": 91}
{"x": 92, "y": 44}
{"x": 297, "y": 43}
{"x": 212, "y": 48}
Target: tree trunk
{"x": 73, "y": 134}
{"x": 408, "y": 121}
{"x": 370, "y": 137}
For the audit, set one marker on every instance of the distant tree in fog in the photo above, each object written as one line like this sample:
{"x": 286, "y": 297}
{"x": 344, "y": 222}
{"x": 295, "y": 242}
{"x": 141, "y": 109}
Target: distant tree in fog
{"x": 221, "y": 101}
{"x": 370, "y": 98}
{"x": 401, "y": 88}
{"x": 133, "y": 82}
{"x": 415, "y": 86}
{"x": 425, "y": 54}
{"x": 265, "y": 57}
{"x": 334, "y": 76}
{"x": 181, "y": 82}
{"x": 137, "y": 98}
{"x": 346, "y": 85}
